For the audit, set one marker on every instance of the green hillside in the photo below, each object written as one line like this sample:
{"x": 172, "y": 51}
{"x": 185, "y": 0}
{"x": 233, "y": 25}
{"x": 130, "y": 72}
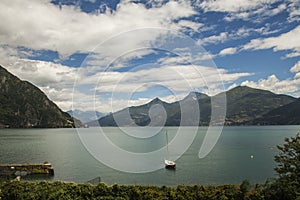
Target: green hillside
{"x": 23, "y": 105}
{"x": 245, "y": 104}
{"x": 287, "y": 114}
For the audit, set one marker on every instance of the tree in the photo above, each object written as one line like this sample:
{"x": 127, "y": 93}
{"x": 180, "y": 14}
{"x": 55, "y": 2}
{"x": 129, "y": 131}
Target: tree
{"x": 287, "y": 186}
{"x": 245, "y": 187}
{"x": 288, "y": 159}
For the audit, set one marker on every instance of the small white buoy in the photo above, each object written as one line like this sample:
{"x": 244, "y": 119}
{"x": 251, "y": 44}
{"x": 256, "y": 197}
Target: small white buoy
{"x": 251, "y": 156}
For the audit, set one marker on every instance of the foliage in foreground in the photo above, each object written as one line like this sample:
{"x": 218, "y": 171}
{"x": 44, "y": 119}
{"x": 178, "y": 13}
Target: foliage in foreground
{"x": 60, "y": 190}
{"x": 287, "y": 185}
{"x": 66, "y": 191}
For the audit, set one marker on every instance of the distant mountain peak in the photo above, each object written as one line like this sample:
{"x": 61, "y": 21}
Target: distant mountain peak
{"x": 197, "y": 95}
{"x": 156, "y": 101}
{"x": 248, "y": 89}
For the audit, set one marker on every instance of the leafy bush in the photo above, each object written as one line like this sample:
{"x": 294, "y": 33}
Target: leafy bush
{"x": 22, "y": 190}
{"x": 287, "y": 185}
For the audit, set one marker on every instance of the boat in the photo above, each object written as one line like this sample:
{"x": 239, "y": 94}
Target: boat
{"x": 169, "y": 164}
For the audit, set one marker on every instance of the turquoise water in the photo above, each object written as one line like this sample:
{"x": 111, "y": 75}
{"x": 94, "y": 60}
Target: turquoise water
{"x": 240, "y": 153}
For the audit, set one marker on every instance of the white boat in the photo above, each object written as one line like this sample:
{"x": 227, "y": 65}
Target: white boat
{"x": 168, "y": 163}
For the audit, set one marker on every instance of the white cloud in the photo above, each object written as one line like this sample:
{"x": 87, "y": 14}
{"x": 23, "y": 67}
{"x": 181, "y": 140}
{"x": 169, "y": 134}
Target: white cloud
{"x": 272, "y": 83}
{"x": 242, "y": 32}
{"x": 297, "y": 76}
{"x": 43, "y": 73}
{"x": 178, "y": 78}
{"x": 93, "y": 1}
{"x": 262, "y": 12}
{"x": 214, "y": 39}
{"x": 190, "y": 24}
{"x": 286, "y": 41}
{"x": 232, "y": 86}
{"x": 294, "y": 10}
{"x": 243, "y": 9}
{"x": 154, "y": 3}
{"x": 42, "y": 25}
{"x": 277, "y": 10}
{"x": 293, "y": 54}
{"x": 185, "y": 56}
{"x": 61, "y": 96}
{"x": 296, "y": 67}
{"x": 228, "y": 51}
{"x": 174, "y": 60}
{"x": 40, "y": 73}
{"x": 231, "y": 5}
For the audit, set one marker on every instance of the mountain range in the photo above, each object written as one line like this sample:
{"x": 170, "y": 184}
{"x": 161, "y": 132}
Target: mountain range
{"x": 244, "y": 106}
{"x": 23, "y": 105}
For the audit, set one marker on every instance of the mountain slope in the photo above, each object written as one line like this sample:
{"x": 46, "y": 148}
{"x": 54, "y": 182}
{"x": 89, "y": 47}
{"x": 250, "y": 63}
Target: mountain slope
{"x": 287, "y": 114}
{"x": 244, "y": 104}
{"x": 23, "y": 105}
{"x": 138, "y": 115}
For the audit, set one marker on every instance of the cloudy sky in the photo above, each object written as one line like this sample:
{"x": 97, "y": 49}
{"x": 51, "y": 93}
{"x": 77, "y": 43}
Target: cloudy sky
{"x": 105, "y": 55}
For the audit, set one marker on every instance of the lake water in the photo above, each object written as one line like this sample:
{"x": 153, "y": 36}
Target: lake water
{"x": 240, "y": 153}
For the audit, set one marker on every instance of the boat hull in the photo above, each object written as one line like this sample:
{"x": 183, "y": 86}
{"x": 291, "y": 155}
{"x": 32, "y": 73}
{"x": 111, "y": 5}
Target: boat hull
{"x": 170, "y": 164}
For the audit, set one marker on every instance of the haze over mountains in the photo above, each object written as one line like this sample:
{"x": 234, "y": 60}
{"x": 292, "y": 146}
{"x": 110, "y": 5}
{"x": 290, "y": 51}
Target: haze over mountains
{"x": 85, "y": 116}
{"x": 245, "y": 106}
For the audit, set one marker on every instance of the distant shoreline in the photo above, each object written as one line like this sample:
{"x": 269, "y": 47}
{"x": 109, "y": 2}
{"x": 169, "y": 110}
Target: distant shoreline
{"x": 258, "y": 125}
